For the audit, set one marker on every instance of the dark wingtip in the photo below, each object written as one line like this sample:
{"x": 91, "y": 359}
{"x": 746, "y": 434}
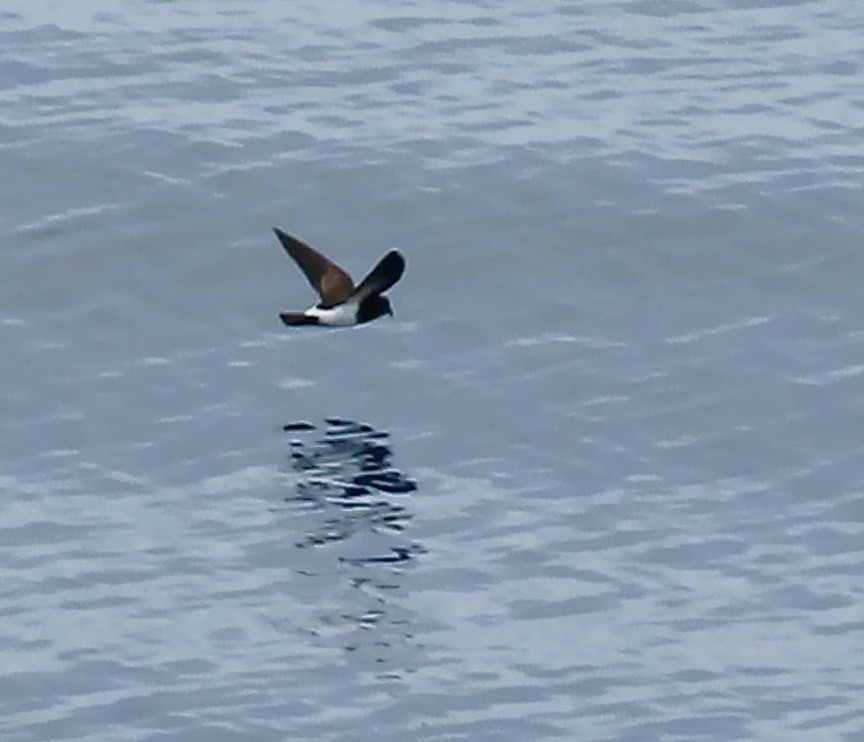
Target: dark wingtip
{"x": 394, "y": 261}
{"x": 283, "y": 236}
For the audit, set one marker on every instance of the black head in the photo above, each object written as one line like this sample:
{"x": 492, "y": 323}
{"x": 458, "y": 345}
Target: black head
{"x": 373, "y": 307}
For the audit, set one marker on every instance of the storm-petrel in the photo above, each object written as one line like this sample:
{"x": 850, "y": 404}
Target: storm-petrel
{"x": 341, "y": 304}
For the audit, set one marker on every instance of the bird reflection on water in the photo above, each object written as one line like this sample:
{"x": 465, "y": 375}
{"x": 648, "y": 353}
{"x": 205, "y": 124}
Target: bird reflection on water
{"x": 349, "y": 468}
{"x": 354, "y": 506}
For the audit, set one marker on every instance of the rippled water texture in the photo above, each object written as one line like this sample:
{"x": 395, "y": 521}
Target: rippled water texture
{"x": 600, "y": 476}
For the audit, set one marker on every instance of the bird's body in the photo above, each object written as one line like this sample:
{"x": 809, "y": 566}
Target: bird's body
{"x": 342, "y": 315}
{"x": 341, "y": 305}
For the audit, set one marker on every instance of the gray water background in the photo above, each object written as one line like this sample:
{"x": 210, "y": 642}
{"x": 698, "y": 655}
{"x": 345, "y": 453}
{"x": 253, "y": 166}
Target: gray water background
{"x": 621, "y": 396}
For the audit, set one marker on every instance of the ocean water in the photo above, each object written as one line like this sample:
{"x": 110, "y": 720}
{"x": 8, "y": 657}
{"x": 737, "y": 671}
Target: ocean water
{"x": 599, "y": 478}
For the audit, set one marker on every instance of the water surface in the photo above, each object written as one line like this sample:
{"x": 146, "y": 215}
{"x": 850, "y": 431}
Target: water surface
{"x": 599, "y": 477}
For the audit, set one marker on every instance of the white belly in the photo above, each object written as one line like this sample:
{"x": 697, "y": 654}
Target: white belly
{"x": 342, "y": 315}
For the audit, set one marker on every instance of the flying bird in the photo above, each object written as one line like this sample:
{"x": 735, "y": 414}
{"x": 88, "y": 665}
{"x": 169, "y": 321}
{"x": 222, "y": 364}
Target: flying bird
{"x": 341, "y": 305}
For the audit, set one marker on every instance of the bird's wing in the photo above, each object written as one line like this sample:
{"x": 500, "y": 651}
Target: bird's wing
{"x": 389, "y": 270}
{"x": 331, "y": 282}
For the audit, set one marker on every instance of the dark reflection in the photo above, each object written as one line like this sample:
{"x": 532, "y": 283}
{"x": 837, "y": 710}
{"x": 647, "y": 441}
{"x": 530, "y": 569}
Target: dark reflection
{"x": 356, "y": 512}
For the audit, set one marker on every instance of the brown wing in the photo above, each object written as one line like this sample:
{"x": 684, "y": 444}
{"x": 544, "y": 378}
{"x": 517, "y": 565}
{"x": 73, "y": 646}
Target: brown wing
{"x": 332, "y": 283}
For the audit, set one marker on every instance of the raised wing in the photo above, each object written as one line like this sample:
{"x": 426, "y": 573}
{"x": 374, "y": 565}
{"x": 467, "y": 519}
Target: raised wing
{"x": 331, "y": 282}
{"x": 389, "y": 270}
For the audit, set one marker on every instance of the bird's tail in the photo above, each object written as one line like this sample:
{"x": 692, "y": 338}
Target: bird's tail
{"x": 297, "y": 318}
